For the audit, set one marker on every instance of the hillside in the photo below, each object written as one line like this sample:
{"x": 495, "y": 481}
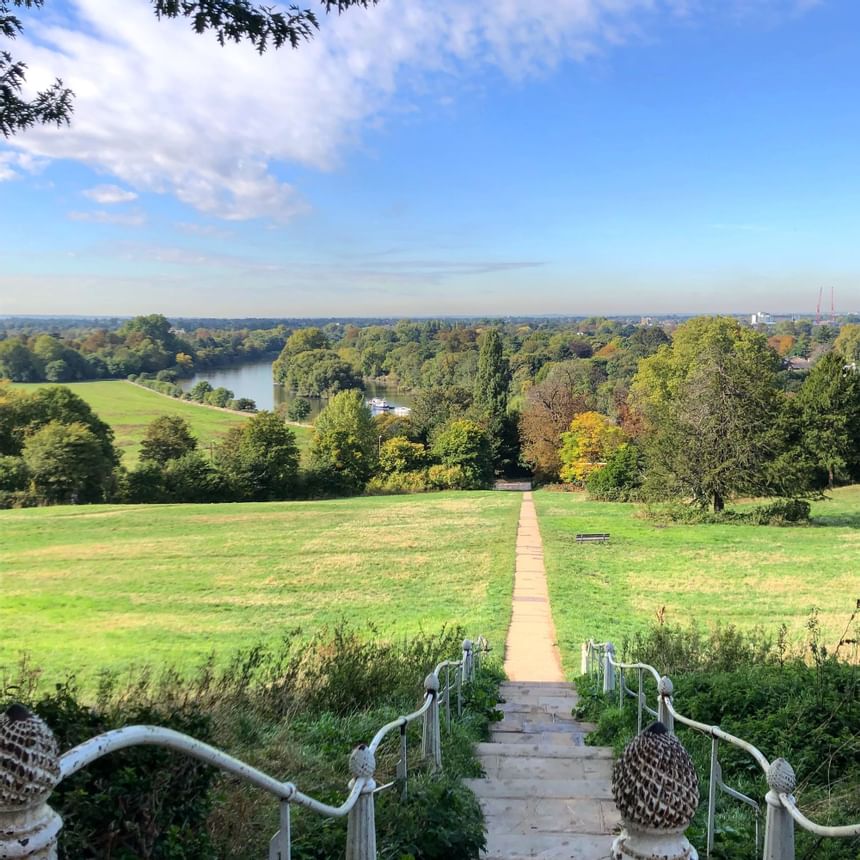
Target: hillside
{"x": 732, "y": 574}
{"x": 87, "y": 588}
{"x": 129, "y": 408}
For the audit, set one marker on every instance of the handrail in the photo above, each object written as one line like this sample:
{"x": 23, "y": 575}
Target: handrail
{"x": 39, "y": 828}
{"x": 778, "y": 773}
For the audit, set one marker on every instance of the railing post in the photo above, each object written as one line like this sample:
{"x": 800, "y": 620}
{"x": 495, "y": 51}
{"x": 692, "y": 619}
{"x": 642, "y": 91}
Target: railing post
{"x": 656, "y": 791}
{"x": 431, "y": 742}
{"x": 583, "y": 658}
{"x": 609, "y": 669}
{"x": 468, "y": 664}
{"x": 665, "y": 688}
{"x": 402, "y": 764}
{"x": 361, "y": 823}
{"x": 29, "y": 772}
{"x": 779, "y": 826}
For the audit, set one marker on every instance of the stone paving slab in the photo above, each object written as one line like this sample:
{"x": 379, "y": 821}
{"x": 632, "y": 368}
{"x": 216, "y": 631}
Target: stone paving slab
{"x": 544, "y": 793}
{"x": 590, "y": 787}
{"x": 525, "y": 815}
{"x": 514, "y": 750}
{"x": 547, "y": 846}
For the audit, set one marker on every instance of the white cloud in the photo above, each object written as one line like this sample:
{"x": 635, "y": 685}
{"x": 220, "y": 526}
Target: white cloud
{"x": 108, "y": 194}
{"x": 166, "y": 110}
{"x": 102, "y": 216}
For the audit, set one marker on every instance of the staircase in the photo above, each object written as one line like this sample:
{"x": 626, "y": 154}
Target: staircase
{"x": 545, "y": 793}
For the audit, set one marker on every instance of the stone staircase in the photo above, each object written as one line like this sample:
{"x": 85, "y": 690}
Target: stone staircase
{"x": 545, "y": 793}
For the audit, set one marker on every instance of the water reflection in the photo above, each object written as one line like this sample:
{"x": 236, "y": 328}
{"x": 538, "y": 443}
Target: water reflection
{"x": 255, "y": 381}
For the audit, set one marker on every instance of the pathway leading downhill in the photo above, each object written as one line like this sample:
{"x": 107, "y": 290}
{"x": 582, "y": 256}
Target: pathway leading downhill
{"x": 545, "y": 793}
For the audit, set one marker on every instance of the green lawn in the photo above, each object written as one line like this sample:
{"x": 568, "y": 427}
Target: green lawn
{"x": 746, "y": 575}
{"x": 111, "y": 586}
{"x": 129, "y": 408}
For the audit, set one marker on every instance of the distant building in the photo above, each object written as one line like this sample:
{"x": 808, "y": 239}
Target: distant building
{"x": 761, "y": 318}
{"x": 646, "y": 321}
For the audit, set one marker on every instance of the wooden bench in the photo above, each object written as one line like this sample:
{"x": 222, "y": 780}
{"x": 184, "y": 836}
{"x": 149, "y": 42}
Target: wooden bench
{"x": 592, "y": 538}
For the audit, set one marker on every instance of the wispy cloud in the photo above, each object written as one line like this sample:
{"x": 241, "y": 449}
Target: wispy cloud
{"x": 177, "y": 113}
{"x": 102, "y": 216}
{"x": 109, "y": 194}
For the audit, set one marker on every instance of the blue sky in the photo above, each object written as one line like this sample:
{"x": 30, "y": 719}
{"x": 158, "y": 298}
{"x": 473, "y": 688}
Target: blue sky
{"x": 439, "y": 157}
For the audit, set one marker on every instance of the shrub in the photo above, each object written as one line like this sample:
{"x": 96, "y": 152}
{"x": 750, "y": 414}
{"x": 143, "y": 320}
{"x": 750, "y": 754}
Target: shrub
{"x": 778, "y": 513}
{"x": 465, "y": 445}
{"x": 620, "y": 479}
{"x": 401, "y": 455}
{"x": 399, "y": 482}
{"x": 449, "y": 478}
{"x": 293, "y": 709}
{"x": 802, "y": 704}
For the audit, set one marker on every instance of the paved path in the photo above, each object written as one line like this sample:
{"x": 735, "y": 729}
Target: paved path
{"x": 545, "y": 794}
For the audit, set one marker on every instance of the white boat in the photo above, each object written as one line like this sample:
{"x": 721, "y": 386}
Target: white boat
{"x": 381, "y": 404}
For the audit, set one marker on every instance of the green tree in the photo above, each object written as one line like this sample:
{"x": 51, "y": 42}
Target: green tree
{"x": 299, "y": 409}
{"x": 17, "y": 362}
{"x": 200, "y": 390}
{"x": 619, "y": 477}
{"x": 231, "y": 21}
{"x": 490, "y": 395}
{"x": 344, "y": 446}
{"x": 315, "y": 373}
{"x": 466, "y": 444}
{"x": 829, "y": 411}
{"x": 220, "y": 397}
{"x": 260, "y": 458}
{"x": 711, "y": 405}
{"x": 58, "y": 403}
{"x": 67, "y": 463}
{"x": 167, "y": 437}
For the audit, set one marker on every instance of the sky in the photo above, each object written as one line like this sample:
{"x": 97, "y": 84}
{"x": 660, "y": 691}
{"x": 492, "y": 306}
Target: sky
{"x": 441, "y": 157}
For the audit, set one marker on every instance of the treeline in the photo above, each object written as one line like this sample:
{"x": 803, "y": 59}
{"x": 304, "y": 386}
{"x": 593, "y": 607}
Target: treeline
{"x": 55, "y": 450}
{"x": 143, "y": 345}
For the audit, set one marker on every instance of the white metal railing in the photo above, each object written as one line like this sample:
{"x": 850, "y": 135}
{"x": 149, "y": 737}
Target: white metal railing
{"x": 30, "y": 828}
{"x": 598, "y": 659}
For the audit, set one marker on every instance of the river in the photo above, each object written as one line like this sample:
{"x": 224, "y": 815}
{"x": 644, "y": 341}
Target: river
{"x": 254, "y": 380}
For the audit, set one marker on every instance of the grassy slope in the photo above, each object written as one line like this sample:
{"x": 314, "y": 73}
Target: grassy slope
{"x": 110, "y": 586}
{"x": 746, "y": 575}
{"x": 129, "y": 408}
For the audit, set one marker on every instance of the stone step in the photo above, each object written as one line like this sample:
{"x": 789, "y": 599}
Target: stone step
{"x": 544, "y": 788}
{"x": 524, "y": 815}
{"x": 514, "y": 750}
{"x": 540, "y": 739}
{"x": 534, "y": 704}
{"x": 548, "y": 846}
{"x": 537, "y": 722}
{"x": 546, "y": 766}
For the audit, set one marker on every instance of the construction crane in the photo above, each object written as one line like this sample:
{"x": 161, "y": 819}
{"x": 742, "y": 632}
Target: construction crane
{"x": 832, "y": 307}
{"x": 818, "y": 306}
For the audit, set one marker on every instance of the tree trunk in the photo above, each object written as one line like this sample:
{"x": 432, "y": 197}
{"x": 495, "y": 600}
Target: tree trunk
{"x": 719, "y": 503}
{"x": 829, "y": 477}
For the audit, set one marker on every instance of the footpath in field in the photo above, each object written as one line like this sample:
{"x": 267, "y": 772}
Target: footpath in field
{"x": 545, "y": 793}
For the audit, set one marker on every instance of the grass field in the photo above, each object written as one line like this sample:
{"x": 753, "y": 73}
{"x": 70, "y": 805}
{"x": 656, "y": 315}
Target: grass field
{"x": 111, "y": 586}
{"x": 129, "y": 408}
{"x": 745, "y": 575}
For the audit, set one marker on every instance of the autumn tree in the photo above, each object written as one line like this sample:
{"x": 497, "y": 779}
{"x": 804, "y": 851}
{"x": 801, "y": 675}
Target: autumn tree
{"x": 711, "y": 404}
{"x": 587, "y": 445}
{"x": 847, "y": 344}
{"x": 549, "y": 408}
